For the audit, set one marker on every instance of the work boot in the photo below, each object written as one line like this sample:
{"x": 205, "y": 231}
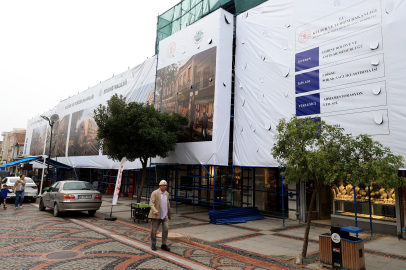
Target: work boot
{"x": 153, "y": 248}
{"x": 165, "y": 248}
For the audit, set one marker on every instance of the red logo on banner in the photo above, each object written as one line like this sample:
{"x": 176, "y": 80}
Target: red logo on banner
{"x": 170, "y": 51}
{"x": 305, "y": 35}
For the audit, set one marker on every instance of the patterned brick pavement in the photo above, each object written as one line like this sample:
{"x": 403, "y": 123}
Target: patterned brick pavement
{"x": 31, "y": 239}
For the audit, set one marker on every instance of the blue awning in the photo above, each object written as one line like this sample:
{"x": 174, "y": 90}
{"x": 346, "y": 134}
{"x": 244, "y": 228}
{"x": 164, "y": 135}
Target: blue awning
{"x": 39, "y": 159}
{"x": 20, "y": 161}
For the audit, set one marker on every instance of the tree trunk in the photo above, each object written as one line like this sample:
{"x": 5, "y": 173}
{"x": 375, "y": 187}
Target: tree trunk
{"x": 317, "y": 188}
{"x": 144, "y": 174}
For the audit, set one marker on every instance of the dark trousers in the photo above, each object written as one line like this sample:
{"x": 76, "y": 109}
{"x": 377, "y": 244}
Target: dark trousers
{"x": 19, "y": 197}
{"x": 154, "y": 228}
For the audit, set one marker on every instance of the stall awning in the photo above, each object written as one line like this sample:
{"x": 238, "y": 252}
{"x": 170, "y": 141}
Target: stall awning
{"x": 39, "y": 159}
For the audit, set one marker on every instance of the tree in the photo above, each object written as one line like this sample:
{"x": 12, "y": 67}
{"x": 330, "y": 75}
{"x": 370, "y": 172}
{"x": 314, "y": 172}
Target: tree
{"x": 308, "y": 149}
{"x": 136, "y": 131}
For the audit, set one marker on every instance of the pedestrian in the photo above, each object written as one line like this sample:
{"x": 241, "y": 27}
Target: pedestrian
{"x": 3, "y": 196}
{"x": 160, "y": 213}
{"x": 18, "y": 189}
{"x": 205, "y": 123}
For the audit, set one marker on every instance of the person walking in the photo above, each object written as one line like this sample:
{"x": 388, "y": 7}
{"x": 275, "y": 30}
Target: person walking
{"x": 3, "y": 196}
{"x": 160, "y": 213}
{"x": 18, "y": 190}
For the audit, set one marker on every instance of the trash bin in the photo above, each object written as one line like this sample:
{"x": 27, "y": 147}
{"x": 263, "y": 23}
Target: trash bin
{"x": 352, "y": 249}
{"x": 325, "y": 248}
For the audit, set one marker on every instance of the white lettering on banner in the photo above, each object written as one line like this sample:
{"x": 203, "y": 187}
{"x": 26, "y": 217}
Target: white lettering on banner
{"x": 118, "y": 181}
{"x": 307, "y": 104}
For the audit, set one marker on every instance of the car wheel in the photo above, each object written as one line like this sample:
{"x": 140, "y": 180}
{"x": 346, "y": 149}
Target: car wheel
{"x": 56, "y": 210}
{"x": 41, "y": 205}
{"x": 91, "y": 212}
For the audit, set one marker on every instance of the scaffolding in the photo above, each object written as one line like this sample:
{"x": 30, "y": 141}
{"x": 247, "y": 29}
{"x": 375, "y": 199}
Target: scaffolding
{"x": 186, "y": 13}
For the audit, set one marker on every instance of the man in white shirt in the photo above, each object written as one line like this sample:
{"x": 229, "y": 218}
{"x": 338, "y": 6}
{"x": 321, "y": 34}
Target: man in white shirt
{"x": 160, "y": 213}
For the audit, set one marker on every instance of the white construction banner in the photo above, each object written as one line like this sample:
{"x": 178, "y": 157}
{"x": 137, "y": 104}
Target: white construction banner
{"x": 194, "y": 79}
{"x": 74, "y": 135}
{"x": 118, "y": 181}
{"x": 341, "y": 60}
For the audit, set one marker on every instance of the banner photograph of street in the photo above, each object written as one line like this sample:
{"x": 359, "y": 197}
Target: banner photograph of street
{"x": 187, "y": 88}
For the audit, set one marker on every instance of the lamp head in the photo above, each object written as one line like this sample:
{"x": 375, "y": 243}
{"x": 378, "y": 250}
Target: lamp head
{"x": 44, "y": 117}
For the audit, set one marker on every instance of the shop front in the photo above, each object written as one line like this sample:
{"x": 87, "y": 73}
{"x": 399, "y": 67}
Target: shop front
{"x": 369, "y": 207}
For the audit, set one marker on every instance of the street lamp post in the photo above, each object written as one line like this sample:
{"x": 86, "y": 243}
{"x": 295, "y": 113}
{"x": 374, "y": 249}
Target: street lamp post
{"x": 51, "y": 124}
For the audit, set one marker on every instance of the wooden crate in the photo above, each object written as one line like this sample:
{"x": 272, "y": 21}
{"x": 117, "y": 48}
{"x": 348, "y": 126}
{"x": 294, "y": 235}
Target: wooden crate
{"x": 325, "y": 249}
{"x": 353, "y": 254}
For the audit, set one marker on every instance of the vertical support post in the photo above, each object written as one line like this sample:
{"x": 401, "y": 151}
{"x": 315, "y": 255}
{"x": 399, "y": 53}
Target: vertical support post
{"x": 42, "y": 177}
{"x": 355, "y": 206}
{"x": 76, "y": 174}
{"x": 102, "y": 184}
{"x": 283, "y": 204}
{"x": 214, "y": 186}
{"x": 370, "y": 210}
{"x": 232, "y": 189}
{"x": 176, "y": 187}
{"x": 300, "y": 209}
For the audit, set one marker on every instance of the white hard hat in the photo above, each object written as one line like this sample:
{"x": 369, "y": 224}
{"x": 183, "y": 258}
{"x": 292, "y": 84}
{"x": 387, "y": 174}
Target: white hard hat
{"x": 163, "y": 183}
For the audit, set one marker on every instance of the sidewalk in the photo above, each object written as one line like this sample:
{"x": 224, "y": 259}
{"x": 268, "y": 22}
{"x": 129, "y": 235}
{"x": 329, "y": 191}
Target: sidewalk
{"x": 262, "y": 240}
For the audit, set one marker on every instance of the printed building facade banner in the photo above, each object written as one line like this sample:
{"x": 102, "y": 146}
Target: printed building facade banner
{"x": 194, "y": 79}
{"x": 342, "y": 61}
{"x": 74, "y": 135}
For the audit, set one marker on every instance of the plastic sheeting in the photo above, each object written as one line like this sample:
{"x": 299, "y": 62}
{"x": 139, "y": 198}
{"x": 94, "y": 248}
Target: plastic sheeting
{"x": 264, "y": 82}
{"x": 194, "y": 79}
{"x": 342, "y": 61}
{"x": 73, "y": 140}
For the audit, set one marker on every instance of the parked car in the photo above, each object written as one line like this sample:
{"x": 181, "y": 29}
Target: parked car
{"x": 71, "y": 195}
{"x": 31, "y": 189}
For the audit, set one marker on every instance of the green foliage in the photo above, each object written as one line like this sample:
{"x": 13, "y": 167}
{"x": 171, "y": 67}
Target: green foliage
{"x": 136, "y": 130}
{"x": 310, "y": 149}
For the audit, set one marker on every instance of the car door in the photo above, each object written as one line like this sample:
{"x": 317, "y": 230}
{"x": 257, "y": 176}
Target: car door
{"x": 46, "y": 196}
{"x": 53, "y": 193}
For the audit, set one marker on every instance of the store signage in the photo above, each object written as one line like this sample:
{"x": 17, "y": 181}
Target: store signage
{"x": 336, "y": 247}
{"x": 185, "y": 194}
{"x": 335, "y": 237}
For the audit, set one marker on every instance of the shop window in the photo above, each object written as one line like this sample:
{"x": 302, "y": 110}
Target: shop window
{"x": 382, "y": 201}
{"x": 268, "y": 190}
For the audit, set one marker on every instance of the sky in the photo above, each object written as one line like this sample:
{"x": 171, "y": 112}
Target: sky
{"x": 50, "y": 50}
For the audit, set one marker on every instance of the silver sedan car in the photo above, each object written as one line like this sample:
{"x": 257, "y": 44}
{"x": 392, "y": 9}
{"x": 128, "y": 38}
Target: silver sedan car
{"x": 71, "y": 195}
{"x": 31, "y": 189}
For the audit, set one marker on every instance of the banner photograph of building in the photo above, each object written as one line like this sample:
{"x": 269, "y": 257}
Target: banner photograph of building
{"x": 187, "y": 87}
{"x": 38, "y": 141}
{"x": 83, "y": 132}
{"x": 59, "y": 138}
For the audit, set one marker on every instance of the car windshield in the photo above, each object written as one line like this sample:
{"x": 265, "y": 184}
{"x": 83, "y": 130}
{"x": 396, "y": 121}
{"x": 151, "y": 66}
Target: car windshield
{"x": 27, "y": 180}
{"x": 78, "y": 186}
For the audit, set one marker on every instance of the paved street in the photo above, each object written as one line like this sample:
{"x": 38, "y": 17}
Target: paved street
{"x": 31, "y": 239}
